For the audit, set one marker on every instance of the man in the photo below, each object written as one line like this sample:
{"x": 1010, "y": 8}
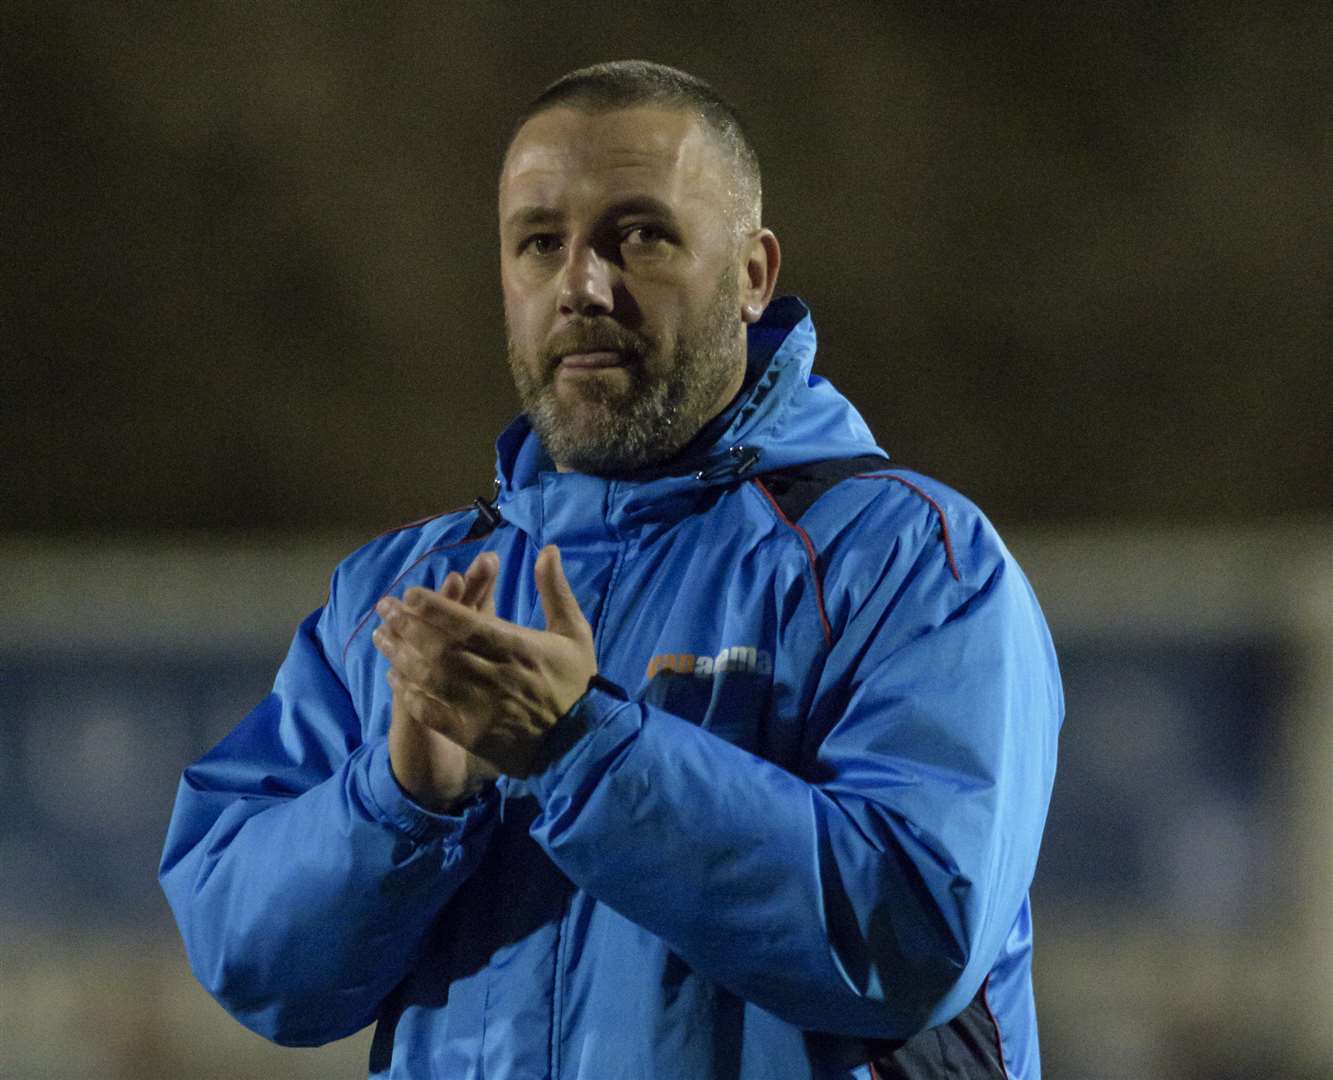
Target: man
{"x": 717, "y": 746}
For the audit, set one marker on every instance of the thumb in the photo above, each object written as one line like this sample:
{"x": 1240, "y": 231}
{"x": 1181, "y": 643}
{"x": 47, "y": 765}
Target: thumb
{"x": 563, "y": 614}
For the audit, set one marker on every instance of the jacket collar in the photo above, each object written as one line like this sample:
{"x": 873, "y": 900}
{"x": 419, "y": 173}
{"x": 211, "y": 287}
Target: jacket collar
{"x": 782, "y": 416}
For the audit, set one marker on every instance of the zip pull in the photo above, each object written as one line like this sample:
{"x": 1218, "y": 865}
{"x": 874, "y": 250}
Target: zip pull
{"x": 486, "y": 508}
{"x": 743, "y": 459}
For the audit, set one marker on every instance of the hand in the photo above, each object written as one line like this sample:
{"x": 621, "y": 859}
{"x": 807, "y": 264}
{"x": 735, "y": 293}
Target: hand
{"x": 432, "y": 768}
{"x": 481, "y": 682}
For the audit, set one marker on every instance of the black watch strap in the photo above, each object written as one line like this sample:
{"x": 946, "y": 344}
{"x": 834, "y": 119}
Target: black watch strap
{"x": 598, "y": 682}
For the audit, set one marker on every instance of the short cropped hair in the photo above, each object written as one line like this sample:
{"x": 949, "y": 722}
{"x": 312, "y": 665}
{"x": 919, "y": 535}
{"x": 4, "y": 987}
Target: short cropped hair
{"x": 628, "y": 84}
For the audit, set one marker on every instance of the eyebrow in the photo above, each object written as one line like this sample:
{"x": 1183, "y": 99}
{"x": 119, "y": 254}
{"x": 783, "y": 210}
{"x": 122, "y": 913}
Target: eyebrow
{"x": 537, "y": 216}
{"x": 528, "y": 216}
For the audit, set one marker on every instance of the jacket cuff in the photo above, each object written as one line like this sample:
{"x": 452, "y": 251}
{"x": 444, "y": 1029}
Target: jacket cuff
{"x": 602, "y": 719}
{"x": 397, "y": 809}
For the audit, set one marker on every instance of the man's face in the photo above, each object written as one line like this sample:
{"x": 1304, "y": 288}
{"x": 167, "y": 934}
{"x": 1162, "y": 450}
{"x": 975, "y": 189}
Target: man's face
{"x": 622, "y": 283}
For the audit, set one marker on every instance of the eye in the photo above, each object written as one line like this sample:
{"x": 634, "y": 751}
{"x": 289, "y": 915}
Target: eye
{"x": 644, "y": 236}
{"x": 540, "y": 244}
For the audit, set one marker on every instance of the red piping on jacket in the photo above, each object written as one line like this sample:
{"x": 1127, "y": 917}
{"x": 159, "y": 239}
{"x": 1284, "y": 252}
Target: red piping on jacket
{"x": 944, "y": 522}
{"x": 407, "y": 570}
{"x": 810, "y": 554}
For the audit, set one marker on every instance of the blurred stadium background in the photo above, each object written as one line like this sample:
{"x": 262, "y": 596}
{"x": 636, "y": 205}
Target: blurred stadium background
{"x": 1072, "y": 259}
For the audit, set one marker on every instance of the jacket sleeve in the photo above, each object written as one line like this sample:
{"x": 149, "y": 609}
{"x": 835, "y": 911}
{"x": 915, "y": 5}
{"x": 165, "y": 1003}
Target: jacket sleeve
{"x": 870, "y": 894}
{"x": 302, "y": 878}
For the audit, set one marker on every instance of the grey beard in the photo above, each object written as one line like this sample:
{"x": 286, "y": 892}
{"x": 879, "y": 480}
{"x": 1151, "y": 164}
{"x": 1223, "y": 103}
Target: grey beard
{"x": 610, "y": 431}
{"x": 614, "y": 432}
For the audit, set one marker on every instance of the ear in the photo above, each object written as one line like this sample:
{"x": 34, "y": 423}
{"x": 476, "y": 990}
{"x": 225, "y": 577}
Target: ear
{"x": 761, "y": 258}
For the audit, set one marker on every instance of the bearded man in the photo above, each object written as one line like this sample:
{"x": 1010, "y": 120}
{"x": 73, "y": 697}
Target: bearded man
{"x": 716, "y": 745}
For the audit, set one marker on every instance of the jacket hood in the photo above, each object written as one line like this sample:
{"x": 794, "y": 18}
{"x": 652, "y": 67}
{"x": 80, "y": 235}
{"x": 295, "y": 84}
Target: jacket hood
{"x": 784, "y": 416}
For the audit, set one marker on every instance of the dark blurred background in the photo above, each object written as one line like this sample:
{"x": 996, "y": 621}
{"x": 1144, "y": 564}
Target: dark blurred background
{"x": 1073, "y": 259}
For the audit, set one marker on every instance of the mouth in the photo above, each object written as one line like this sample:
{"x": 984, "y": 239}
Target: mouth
{"x": 591, "y": 361}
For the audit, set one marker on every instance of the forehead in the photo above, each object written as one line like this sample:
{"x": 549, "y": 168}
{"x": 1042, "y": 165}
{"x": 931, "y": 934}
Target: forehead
{"x": 564, "y": 156}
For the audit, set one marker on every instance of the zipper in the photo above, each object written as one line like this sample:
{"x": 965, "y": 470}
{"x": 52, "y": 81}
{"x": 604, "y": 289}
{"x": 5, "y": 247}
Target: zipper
{"x": 743, "y": 459}
{"x": 558, "y": 986}
{"x": 562, "y": 927}
{"x": 487, "y": 509}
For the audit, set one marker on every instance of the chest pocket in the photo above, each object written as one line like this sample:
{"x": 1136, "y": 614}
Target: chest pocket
{"x": 730, "y": 694}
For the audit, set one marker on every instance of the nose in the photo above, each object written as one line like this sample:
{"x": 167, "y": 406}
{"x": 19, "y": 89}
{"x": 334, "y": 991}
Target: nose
{"x": 588, "y": 283}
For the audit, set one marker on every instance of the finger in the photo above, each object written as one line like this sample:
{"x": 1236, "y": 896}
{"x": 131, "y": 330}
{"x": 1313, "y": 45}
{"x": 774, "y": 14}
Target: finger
{"x": 563, "y": 614}
{"x": 385, "y": 641}
{"x": 453, "y": 585}
{"x": 480, "y": 579}
{"x": 427, "y": 615}
{"x": 415, "y": 650}
{"x": 418, "y": 597}
{"x": 439, "y": 607}
{"x": 407, "y": 659}
{"x": 403, "y": 625}
{"x": 404, "y": 659}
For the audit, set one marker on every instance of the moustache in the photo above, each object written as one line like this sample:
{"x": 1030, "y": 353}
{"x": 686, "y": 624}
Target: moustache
{"x": 594, "y": 337}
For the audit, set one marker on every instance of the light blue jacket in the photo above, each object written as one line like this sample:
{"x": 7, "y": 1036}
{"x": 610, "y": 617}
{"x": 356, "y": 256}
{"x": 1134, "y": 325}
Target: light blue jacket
{"x": 817, "y": 807}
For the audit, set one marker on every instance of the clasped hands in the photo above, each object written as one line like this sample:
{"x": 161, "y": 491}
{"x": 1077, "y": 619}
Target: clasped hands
{"x": 473, "y": 694}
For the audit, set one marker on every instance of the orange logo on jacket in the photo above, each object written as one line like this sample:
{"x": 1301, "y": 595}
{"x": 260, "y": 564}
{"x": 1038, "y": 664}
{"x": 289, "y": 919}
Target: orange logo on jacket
{"x": 738, "y": 659}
